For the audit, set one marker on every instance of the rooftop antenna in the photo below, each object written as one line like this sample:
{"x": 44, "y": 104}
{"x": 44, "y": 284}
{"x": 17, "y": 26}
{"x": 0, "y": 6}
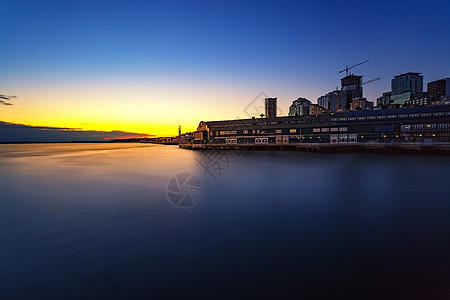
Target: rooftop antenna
{"x": 348, "y": 68}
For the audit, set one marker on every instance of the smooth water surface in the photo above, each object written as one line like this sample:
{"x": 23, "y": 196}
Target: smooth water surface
{"x": 81, "y": 221}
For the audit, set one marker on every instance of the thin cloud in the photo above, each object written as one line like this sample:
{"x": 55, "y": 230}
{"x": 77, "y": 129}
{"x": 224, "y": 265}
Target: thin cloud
{"x": 7, "y": 98}
{"x": 5, "y": 103}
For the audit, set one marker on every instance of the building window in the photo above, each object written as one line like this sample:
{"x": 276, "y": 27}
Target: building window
{"x": 245, "y": 131}
{"x": 343, "y": 129}
{"x": 278, "y": 131}
{"x": 293, "y": 131}
{"x": 334, "y": 138}
{"x": 316, "y": 130}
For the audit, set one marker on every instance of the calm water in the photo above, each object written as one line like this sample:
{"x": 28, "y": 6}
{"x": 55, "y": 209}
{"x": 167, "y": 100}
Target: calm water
{"x": 82, "y": 221}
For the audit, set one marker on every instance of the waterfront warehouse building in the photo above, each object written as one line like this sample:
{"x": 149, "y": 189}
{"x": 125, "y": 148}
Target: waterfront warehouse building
{"x": 427, "y": 125}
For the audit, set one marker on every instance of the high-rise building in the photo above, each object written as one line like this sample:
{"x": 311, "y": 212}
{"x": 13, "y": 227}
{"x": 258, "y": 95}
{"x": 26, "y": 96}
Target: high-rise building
{"x": 438, "y": 89}
{"x": 351, "y": 86}
{"x": 408, "y": 82}
{"x": 271, "y": 107}
{"x": 324, "y": 101}
{"x": 338, "y": 101}
{"x": 299, "y": 107}
{"x": 404, "y": 89}
{"x": 334, "y": 101}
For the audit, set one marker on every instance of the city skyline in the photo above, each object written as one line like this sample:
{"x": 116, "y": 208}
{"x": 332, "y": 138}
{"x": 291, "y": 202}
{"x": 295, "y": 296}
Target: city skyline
{"x": 147, "y": 67}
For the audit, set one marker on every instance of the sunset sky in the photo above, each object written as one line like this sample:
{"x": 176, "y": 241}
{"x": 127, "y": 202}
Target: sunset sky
{"x": 148, "y": 66}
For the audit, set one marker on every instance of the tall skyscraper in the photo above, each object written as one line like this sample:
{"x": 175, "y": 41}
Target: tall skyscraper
{"x": 271, "y": 107}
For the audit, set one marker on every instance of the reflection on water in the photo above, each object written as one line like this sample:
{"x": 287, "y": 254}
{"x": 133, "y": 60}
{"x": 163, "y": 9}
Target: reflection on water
{"x": 94, "y": 220}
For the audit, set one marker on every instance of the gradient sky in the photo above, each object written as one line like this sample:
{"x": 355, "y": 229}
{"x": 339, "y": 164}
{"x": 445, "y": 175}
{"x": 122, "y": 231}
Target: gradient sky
{"x": 147, "y": 66}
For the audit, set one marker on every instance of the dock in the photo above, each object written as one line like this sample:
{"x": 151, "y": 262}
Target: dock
{"x": 399, "y": 147}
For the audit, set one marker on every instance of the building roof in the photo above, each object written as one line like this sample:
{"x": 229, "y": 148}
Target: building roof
{"x": 409, "y": 73}
{"x": 406, "y": 110}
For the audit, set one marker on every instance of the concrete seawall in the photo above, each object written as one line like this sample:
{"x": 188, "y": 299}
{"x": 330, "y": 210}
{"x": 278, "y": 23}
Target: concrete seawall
{"x": 412, "y": 148}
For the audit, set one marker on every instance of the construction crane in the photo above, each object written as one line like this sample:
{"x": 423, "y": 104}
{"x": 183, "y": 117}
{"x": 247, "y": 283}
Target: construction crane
{"x": 369, "y": 81}
{"x": 348, "y": 68}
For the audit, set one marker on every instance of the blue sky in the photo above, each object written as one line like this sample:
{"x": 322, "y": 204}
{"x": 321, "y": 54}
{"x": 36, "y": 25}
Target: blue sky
{"x": 219, "y": 49}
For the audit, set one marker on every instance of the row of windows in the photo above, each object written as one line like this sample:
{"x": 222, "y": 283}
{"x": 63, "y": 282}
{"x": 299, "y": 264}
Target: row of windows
{"x": 427, "y": 134}
{"x": 343, "y": 138}
{"x": 226, "y": 132}
{"x": 280, "y": 131}
{"x": 391, "y": 116}
{"x": 424, "y": 126}
{"x": 334, "y": 129}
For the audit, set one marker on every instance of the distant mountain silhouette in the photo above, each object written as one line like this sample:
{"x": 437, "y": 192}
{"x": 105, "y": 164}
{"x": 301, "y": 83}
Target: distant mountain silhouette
{"x": 15, "y": 133}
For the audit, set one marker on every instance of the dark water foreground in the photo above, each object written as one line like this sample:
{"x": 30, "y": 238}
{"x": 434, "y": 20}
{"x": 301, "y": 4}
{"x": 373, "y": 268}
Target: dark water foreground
{"x": 93, "y": 221}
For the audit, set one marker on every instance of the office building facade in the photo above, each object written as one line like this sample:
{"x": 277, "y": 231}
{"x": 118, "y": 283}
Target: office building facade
{"x": 407, "y": 82}
{"x": 439, "y": 88}
{"x": 315, "y": 109}
{"x": 299, "y": 107}
{"x": 271, "y": 107}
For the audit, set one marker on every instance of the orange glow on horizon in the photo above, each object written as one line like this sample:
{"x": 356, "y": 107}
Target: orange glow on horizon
{"x": 147, "y": 106}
